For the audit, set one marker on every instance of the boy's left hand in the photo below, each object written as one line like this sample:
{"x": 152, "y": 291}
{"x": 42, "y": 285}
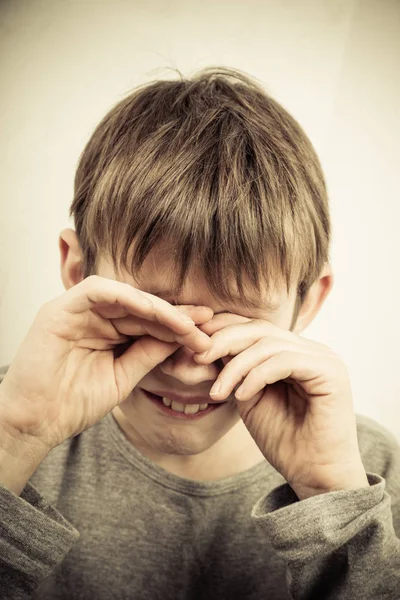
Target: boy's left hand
{"x": 296, "y": 402}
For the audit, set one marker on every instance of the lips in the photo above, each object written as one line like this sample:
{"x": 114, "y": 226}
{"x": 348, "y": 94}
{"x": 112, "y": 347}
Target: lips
{"x": 180, "y": 411}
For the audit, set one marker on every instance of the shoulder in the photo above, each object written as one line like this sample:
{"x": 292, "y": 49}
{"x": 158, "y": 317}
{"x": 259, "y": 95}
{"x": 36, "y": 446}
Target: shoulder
{"x": 380, "y": 451}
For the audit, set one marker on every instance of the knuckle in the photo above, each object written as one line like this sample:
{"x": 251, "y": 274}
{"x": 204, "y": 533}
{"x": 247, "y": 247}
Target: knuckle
{"x": 151, "y": 359}
{"x": 235, "y": 369}
{"x": 254, "y": 374}
{"x": 92, "y": 283}
{"x": 265, "y": 343}
{"x": 48, "y": 311}
{"x": 46, "y": 308}
{"x": 228, "y": 370}
{"x": 326, "y": 349}
{"x": 217, "y": 337}
{"x": 145, "y": 346}
{"x": 92, "y": 280}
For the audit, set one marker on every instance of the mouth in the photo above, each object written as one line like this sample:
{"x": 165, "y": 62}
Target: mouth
{"x": 188, "y": 411}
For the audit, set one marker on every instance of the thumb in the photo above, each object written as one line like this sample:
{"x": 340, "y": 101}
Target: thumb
{"x": 140, "y": 358}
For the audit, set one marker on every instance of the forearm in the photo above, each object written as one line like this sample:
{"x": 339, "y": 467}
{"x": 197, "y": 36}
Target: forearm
{"x": 336, "y": 545}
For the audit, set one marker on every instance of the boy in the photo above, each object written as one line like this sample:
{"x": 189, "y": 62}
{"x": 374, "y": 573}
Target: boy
{"x": 124, "y": 472}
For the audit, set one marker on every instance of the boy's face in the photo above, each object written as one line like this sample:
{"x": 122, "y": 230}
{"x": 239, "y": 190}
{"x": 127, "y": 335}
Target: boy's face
{"x": 148, "y": 425}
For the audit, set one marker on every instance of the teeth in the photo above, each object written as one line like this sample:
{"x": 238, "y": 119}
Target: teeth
{"x": 191, "y": 409}
{"x": 188, "y": 409}
{"x": 177, "y": 406}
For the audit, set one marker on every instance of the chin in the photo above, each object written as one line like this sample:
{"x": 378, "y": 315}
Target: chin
{"x": 182, "y": 444}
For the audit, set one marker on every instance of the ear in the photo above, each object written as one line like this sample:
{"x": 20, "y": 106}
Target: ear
{"x": 315, "y": 298}
{"x": 71, "y": 258}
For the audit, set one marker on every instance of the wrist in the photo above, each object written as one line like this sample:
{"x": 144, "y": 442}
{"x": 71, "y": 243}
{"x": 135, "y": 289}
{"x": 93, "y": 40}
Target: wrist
{"x": 20, "y": 456}
{"x": 348, "y": 481}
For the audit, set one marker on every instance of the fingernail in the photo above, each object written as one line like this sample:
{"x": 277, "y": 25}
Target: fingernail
{"x": 215, "y": 389}
{"x": 188, "y": 320}
{"x": 203, "y": 354}
{"x": 239, "y": 392}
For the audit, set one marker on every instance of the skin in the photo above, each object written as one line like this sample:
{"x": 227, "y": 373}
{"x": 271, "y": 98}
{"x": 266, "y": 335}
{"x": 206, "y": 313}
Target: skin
{"x": 296, "y": 408}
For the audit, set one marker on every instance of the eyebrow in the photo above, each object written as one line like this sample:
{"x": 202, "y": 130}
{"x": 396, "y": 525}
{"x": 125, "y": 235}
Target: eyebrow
{"x": 165, "y": 294}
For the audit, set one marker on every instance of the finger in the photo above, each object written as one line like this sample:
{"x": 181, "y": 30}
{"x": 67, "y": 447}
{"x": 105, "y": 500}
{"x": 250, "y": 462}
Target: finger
{"x": 233, "y": 339}
{"x": 199, "y": 314}
{"x": 96, "y": 290}
{"x": 173, "y": 316}
{"x": 89, "y": 325}
{"x": 221, "y": 320}
{"x": 138, "y": 360}
{"x": 195, "y": 339}
{"x": 136, "y": 326}
{"x": 240, "y": 366}
{"x": 98, "y": 343}
{"x": 303, "y": 368}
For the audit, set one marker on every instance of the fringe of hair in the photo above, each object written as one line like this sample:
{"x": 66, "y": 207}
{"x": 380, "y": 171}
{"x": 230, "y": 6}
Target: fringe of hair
{"x": 216, "y": 171}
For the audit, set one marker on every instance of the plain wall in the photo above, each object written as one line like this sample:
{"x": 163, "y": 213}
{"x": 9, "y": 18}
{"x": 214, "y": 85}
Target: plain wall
{"x": 333, "y": 64}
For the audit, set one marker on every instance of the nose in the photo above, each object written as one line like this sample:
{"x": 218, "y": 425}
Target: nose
{"x": 181, "y": 366}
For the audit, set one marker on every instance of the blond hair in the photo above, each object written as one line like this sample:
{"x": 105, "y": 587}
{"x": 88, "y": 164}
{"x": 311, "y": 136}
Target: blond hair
{"x": 218, "y": 168}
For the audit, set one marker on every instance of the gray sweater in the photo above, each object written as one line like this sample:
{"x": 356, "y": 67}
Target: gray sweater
{"x": 98, "y": 520}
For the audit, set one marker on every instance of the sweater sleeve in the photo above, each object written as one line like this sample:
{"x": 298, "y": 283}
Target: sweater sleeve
{"x": 342, "y": 544}
{"x": 34, "y": 539}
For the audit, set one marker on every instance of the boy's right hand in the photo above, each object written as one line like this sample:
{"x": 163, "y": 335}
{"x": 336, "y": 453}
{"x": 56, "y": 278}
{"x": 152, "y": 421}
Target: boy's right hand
{"x": 67, "y": 374}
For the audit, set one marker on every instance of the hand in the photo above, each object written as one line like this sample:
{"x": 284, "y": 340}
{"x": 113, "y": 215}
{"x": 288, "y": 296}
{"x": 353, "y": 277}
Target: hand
{"x": 69, "y": 373}
{"x": 295, "y": 400}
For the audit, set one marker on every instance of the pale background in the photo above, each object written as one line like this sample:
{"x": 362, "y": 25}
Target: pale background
{"x": 333, "y": 63}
